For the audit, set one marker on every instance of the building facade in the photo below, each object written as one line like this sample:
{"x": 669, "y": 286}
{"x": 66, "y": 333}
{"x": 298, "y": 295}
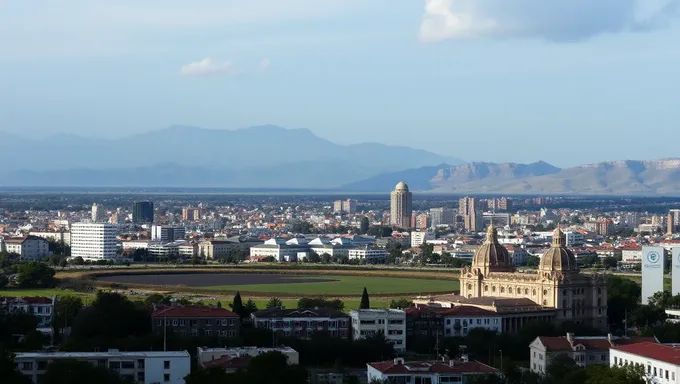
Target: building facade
{"x": 401, "y": 207}
{"x": 167, "y": 233}
{"x": 97, "y": 213}
{"x": 142, "y": 212}
{"x": 303, "y": 323}
{"x": 40, "y": 307}
{"x": 661, "y": 363}
{"x": 471, "y": 212}
{"x": 233, "y": 358}
{"x": 196, "y": 321}
{"x": 93, "y": 241}
{"x": 446, "y": 370}
{"x": 441, "y": 216}
{"x": 345, "y": 206}
{"x": 389, "y": 322}
{"x": 137, "y": 367}
{"x": 27, "y": 247}
{"x": 558, "y": 285}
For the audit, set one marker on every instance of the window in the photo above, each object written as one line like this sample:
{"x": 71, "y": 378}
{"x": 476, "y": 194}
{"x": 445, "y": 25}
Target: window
{"x": 231, "y": 333}
{"x": 208, "y": 332}
{"x": 208, "y": 322}
{"x": 42, "y": 365}
{"x": 166, "y": 377}
{"x": 140, "y": 377}
{"x": 182, "y": 323}
{"x": 127, "y": 365}
{"x": 175, "y": 322}
{"x": 27, "y": 366}
{"x": 194, "y": 332}
{"x": 166, "y": 364}
{"x": 114, "y": 365}
{"x": 159, "y": 322}
{"x": 140, "y": 363}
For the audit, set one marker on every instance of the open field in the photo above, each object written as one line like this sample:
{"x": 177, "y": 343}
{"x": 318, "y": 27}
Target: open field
{"x": 286, "y": 285}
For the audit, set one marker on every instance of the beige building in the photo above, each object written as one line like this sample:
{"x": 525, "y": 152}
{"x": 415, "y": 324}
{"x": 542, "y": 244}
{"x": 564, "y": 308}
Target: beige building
{"x": 558, "y": 285}
{"x": 469, "y": 209}
{"x": 211, "y": 249}
{"x": 401, "y": 207}
{"x": 557, "y": 292}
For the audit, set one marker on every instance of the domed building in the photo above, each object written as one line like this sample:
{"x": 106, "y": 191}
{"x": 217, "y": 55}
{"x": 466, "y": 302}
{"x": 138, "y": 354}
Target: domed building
{"x": 401, "y": 207}
{"x": 557, "y": 292}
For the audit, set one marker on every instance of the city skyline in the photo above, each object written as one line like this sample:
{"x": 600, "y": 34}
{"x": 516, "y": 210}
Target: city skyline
{"x": 352, "y": 72}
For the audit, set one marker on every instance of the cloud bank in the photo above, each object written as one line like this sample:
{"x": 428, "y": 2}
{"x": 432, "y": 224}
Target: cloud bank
{"x": 209, "y": 67}
{"x": 555, "y": 20}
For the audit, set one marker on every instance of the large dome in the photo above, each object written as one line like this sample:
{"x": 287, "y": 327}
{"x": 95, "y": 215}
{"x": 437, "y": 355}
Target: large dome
{"x": 492, "y": 256}
{"x": 558, "y": 257}
{"x": 401, "y": 186}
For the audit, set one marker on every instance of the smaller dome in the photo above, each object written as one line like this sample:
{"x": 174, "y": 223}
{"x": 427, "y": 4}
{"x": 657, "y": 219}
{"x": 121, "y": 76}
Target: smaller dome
{"x": 558, "y": 257}
{"x": 401, "y": 186}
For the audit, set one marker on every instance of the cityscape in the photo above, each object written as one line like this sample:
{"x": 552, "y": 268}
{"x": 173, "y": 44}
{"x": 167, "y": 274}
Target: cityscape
{"x": 339, "y": 192}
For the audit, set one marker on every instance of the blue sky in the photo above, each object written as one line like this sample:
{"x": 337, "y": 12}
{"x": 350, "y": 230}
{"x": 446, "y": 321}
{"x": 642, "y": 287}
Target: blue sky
{"x": 565, "y": 81}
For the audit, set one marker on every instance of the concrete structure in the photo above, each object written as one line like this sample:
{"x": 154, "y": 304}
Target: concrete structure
{"x": 27, "y": 247}
{"x": 280, "y": 249}
{"x": 302, "y": 323}
{"x": 390, "y": 322}
{"x": 167, "y": 233}
{"x": 401, "y": 207}
{"x": 673, "y": 221}
{"x": 585, "y": 351}
{"x": 142, "y": 212}
{"x": 558, "y": 285}
{"x": 214, "y": 249}
{"x": 446, "y": 370}
{"x": 449, "y": 322}
{"x": 469, "y": 209}
{"x": 191, "y": 213}
{"x": 441, "y": 216}
{"x": 196, "y": 321}
{"x": 138, "y": 367}
{"x": 59, "y": 237}
{"x": 97, "y": 214}
{"x": 368, "y": 254}
{"x": 421, "y": 237}
{"x": 499, "y": 219}
{"x": 40, "y": 307}
{"x": 232, "y": 359}
{"x": 661, "y": 362}
{"x": 93, "y": 241}
{"x": 345, "y": 206}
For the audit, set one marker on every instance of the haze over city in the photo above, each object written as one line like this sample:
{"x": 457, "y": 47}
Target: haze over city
{"x": 568, "y": 82}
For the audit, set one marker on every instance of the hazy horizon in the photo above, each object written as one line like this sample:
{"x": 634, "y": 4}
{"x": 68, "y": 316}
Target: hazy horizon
{"x": 567, "y": 82}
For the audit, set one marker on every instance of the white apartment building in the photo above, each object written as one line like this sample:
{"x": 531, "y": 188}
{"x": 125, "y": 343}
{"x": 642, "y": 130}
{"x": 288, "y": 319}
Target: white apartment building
{"x": 443, "y": 371}
{"x": 368, "y": 254}
{"x": 93, "y": 241}
{"x": 390, "y": 322}
{"x": 574, "y": 238}
{"x": 661, "y": 362}
{"x": 420, "y": 238}
{"x": 139, "y": 367}
{"x": 40, "y": 307}
{"x": 27, "y": 247}
{"x": 279, "y": 249}
{"x": 460, "y": 320}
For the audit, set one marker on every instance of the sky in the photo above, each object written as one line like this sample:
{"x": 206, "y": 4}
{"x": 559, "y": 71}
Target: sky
{"x": 564, "y": 81}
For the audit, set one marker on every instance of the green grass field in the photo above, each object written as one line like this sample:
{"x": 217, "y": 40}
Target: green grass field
{"x": 347, "y": 285}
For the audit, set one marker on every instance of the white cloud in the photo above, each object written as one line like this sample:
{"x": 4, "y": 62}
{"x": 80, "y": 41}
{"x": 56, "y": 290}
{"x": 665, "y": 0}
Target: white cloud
{"x": 556, "y": 20}
{"x": 209, "y": 67}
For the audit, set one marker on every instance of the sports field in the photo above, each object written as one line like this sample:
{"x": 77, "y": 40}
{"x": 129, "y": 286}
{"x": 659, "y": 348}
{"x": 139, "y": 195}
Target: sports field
{"x": 298, "y": 285}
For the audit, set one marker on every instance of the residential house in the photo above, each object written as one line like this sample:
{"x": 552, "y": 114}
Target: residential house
{"x": 303, "y": 322}
{"x": 196, "y": 321}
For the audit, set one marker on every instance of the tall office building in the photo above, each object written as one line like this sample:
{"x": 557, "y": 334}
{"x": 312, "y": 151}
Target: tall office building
{"x": 96, "y": 213}
{"x": 93, "y": 241}
{"x": 673, "y": 220}
{"x": 441, "y": 216}
{"x": 401, "y": 208}
{"x": 142, "y": 212}
{"x": 167, "y": 233}
{"x": 472, "y": 215}
{"x": 192, "y": 213}
{"x": 345, "y": 206}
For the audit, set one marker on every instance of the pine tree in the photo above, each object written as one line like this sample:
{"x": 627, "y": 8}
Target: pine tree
{"x": 237, "y": 306}
{"x": 365, "y": 304}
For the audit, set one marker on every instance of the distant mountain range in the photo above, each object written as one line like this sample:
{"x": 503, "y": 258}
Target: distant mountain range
{"x": 624, "y": 177}
{"x": 180, "y": 156}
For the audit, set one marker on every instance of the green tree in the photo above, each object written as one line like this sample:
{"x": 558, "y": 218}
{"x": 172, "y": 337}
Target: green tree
{"x": 270, "y": 368}
{"x": 313, "y": 257}
{"x": 623, "y": 297}
{"x": 325, "y": 258}
{"x": 602, "y": 374}
{"x": 157, "y": 298}
{"x": 485, "y": 379}
{"x": 249, "y": 308}
{"x": 214, "y": 375}
{"x": 533, "y": 261}
{"x": 609, "y": 262}
{"x": 10, "y": 373}
{"x": 320, "y": 302}
{"x": 364, "y": 224}
{"x": 65, "y": 312}
{"x": 35, "y": 275}
{"x": 3, "y": 281}
{"x": 401, "y": 303}
{"x": 74, "y": 371}
{"x": 237, "y": 305}
{"x": 365, "y": 303}
{"x": 274, "y": 302}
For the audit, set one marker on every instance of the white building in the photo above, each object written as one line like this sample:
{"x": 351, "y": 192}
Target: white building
{"x": 27, "y": 247}
{"x": 661, "y": 362}
{"x": 280, "y": 249}
{"x": 368, "y": 254}
{"x": 139, "y": 367}
{"x": 574, "y": 238}
{"x": 389, "y": 322}
{"x": 322, "y": 245}
{"x": 93, "y": 241}
{"x": 420, "y": 238}
{"x": 167, "y": 233}
{"x": 398, "y": 371}
{"x": 59, "y": 237}
{"x": 40, "y": 307}
{"x": 460, "y": 320}
{"x": 97, "y": 213}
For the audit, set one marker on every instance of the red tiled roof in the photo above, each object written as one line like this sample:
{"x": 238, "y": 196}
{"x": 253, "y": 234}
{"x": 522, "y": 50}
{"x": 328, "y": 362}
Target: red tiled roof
{"x": 194, "y": 311}
{"x": 461, "y": 310}
{"x": 33, "y": 300}
{"x": 389, "y": 367}
{"x": 654, "y": 351}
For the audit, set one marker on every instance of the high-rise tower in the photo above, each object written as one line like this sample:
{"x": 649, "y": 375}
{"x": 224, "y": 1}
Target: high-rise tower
{"x": 401, "y": 206}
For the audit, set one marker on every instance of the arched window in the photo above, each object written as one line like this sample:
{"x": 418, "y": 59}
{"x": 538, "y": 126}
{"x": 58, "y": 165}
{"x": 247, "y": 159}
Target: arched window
{"x": 599, "y": 291}
{"x": 509, "y": 289}
{"x": 533, "y": 293}
{"x": 493, "y": 289}
{"x": 599, "y": 301}
{"x": 526, "y": 291}
{"x": 545, "y": 291}
{"x": 486, "y": 288}
{"x": 545, "y": 302}
{"x": 502, "y": 289}
{"x": 469, "y": 287}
